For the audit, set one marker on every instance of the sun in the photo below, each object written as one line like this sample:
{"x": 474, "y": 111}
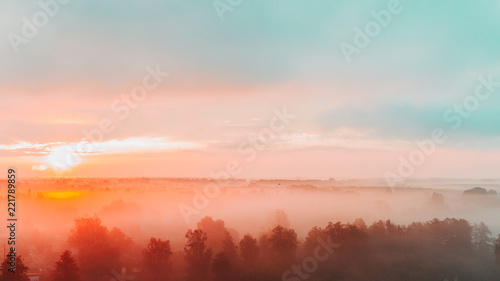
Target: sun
{"x": 63, "y": 158}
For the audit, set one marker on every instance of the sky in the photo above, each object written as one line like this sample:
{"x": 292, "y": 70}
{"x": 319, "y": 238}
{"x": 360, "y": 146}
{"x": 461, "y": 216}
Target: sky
{"x": 251, "y": 89}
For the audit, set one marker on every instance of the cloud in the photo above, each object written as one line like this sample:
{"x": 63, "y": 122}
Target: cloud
{"x": 408, "y": 120}
{"x": 39, "y": 167}
{"x": 67, "y": 156}
{"x": 66, "y": 78}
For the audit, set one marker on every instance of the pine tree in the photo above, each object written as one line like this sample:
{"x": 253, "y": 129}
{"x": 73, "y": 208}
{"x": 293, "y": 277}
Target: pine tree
{"x": 20, "y": 273}
{"x": 66, "y": 268}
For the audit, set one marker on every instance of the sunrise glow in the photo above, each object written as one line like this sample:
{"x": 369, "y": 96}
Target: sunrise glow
{"x": 62, "y": 195}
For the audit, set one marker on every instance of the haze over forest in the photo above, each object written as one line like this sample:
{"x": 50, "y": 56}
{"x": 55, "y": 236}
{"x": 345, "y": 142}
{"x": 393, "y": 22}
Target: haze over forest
{"x": 166, "y": 208}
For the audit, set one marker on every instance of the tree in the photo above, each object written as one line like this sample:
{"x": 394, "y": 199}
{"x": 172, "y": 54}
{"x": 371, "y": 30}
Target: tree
{"x": 229, "y": 247}
{"x": 311, "y": 241}
{"x": 279, "y": 218}
{"x": 360, "y": 224}
{"x": 156, "y": 260}
{"x": 283, "y": 243}
{"x": 20, "y": 273}
{"x": 99, "y": 250}
{"x": 225, "y": 265}
{"x": 481, "y": 239}
{"x": 437, "y": 202}
{"x": 197, "y": 255}
{"x": 66, "y": 268}
{"x": 249, "y": 251}
{"x": 378, "y": 229}
{"x": 223, "y": 268}
{"x": 216, "y": 233}
{"x": 497, "y": 250}
{"x": 122, "y": 244}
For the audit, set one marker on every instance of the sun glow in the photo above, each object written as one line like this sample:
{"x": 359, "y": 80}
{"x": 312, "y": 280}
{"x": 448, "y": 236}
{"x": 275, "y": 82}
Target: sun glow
{"x": 62, "y": 195}
{"x": 62, "y": 158}
{"x": 68, "y": 156}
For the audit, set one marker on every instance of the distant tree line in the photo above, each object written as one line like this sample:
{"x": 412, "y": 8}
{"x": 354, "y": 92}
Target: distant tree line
{"x": 433, "y": 250}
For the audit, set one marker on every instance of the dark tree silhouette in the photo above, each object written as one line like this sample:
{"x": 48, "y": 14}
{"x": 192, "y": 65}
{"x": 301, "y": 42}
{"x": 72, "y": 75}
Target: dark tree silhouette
{"x": 360, "y": 224}
{"x": 216, "y": 233}
{"x": 481, "y": 238}
{"x": 283, "y": 245}
{"x": 99, "y": 251}
{"x": 197, "y": 255}
{"x": 311, "y": 241}
{"x": 20, "y": 274}
{"x": 230, "y": 248}
{"x": 249, "y": 251}
{"x": 223, "y": 267}
{"x": 66, "y": 268}
{"x": 156, "y": 260}
{"x": 497, "y": 251}
{"x": 433, "y": 250}
{"x": 215, "y": 230}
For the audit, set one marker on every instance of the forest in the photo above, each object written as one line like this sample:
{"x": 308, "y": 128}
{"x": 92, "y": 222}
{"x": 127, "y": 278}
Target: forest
{"x": 448, "y": 249}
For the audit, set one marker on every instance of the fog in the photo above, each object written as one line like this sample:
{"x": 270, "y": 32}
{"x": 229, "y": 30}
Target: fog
{"x": 142, "y": 208}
